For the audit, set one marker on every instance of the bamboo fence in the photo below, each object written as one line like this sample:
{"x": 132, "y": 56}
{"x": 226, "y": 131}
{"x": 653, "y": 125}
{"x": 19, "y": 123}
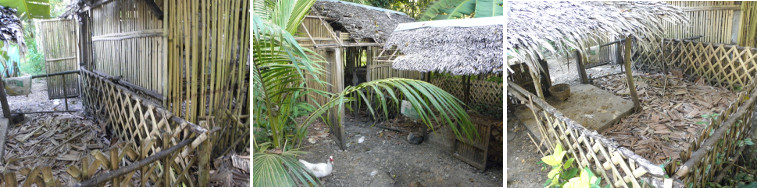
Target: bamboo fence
{"x": 714, "y": 20}
{"x": 57, "y": 38}
{"x": 145, "y": 125}
{"x": 721, "y": 65}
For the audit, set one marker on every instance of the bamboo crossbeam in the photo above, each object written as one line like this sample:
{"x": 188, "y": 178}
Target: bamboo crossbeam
{"x": 709, "y": 144}
{"x": 150, "y": 93}
{"x": 718, "y": 7}
{"x": 55, "y": 74}
{"x": 58, "y": 59}
{"x": 128, "y": 35}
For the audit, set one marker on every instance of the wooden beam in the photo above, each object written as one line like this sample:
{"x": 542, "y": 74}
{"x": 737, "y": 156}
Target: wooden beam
{"x": 580, "y": 66}
{"x": 155, "y": 9}
{"x": 629, "y": 75}
{"x": 546, "y": 79}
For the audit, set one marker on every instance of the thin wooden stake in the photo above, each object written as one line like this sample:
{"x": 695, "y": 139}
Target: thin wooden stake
{"x": 629, "y": 76}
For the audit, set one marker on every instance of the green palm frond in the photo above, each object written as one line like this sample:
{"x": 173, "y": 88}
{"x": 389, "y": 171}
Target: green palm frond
{"x": 431, "y": 103}
{"x": 280, "y": 170}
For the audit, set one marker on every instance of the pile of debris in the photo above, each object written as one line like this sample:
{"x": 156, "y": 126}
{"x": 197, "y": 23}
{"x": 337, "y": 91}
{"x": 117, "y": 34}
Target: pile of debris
{"x": 53, "y": 140}
{"x": 674, "y": 110}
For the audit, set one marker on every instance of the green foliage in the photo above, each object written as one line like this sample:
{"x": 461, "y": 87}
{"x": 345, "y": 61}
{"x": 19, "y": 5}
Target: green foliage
{"x": 34, "y": 60}
{"x": 455, "y": 9}
{"x": 565, "y": 174}
{"x": 29, "y": 8}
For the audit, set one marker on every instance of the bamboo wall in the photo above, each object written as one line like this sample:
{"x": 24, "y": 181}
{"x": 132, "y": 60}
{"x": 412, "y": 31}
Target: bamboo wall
{"x": 748, "y": 27}
{"x": 713, "y": 20}
{"x": 208, "y": 68}
{"x": 58, "y": 39}
{"x": 127, "y": 42}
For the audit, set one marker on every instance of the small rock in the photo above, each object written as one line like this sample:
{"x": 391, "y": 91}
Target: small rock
{"x": 415, "y": 184}
{"x": 414, "y": 139}
{"x": 362, "y": 138}
{"x": 311, "y": 140}
{"x": 373, "y": 173}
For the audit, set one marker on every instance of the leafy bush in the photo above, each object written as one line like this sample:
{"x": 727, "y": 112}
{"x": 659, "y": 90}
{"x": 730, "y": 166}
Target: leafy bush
{"x": 564, "y": 174}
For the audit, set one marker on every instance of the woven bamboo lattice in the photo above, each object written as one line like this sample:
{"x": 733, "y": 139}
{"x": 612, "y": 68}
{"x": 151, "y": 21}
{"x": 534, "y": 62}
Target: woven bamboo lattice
{"x": 136, "y": 121}
{"x": 720, "y": 65}
{"x": 616, "y": 166}
{"x": 148, "y": 175}
{"x": 40, "y": 176}
{"x": 482, "y": 93}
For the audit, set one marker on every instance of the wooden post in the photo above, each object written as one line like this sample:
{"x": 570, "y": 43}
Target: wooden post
{"x": 618, "y": 52}
{"x": 631, "y": 86}
{"x": 467, "y": 89}
{"x": 336, "y": 78}
{"x": 4, "y": 100}
{"x": 204, "y": 163}
{"x": 546, "y": 79}
{"x": 581, "y": 70}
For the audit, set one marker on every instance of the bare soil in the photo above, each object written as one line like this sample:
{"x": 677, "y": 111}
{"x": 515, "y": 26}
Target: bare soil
{"x": 385, "y": 158}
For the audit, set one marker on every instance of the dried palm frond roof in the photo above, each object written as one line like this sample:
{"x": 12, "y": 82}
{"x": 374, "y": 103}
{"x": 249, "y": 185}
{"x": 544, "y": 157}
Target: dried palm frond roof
{"x": 459, "y": 47}
{"x": 559, "y": 26}
{"x": 11, "y": 29}
{"x": 361, "y": 21}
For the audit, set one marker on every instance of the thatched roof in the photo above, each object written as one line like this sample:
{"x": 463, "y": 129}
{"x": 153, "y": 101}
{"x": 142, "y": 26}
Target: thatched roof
{"x": 361, "y": 21}
{"x": 459, "y": 47}
{"x": 11, "y": 29}
{"x": 535, "y": 26}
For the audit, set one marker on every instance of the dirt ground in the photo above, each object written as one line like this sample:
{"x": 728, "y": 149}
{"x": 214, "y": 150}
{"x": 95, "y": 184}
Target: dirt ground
{"x": 385, "y": 158}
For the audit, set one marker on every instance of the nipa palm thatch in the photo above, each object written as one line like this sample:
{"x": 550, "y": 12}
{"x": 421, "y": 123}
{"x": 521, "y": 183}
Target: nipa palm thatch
{"x": 535, "y": 26}
{"x": 361, "y": 21}
{"x": 459, "y": 47}
{"x": 11, "y": 29}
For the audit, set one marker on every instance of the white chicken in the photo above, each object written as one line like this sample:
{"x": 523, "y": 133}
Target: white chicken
{"x": 321, "y": 169}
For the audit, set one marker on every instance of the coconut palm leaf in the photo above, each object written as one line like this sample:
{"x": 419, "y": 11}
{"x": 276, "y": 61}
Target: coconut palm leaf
{"x": 280, "y": 170}
{"x": 429, "y": 101}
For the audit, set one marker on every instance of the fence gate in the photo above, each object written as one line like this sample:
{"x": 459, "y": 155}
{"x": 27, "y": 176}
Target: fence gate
{"x": 57, "y": 39}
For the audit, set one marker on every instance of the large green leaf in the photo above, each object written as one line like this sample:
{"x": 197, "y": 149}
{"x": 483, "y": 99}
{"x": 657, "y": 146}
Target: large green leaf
{"x": 488, "y": 8}
{"x": 455, "y": 9}
{"x": 29, "y": 8}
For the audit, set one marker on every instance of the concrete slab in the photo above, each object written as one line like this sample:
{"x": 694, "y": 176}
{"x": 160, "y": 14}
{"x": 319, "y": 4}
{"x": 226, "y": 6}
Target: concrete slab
{"x": 588, "y": 105}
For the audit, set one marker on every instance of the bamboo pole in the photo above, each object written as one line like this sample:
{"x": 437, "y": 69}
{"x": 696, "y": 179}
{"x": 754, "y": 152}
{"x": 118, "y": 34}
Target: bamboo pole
{"x": 629, "y": 76}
